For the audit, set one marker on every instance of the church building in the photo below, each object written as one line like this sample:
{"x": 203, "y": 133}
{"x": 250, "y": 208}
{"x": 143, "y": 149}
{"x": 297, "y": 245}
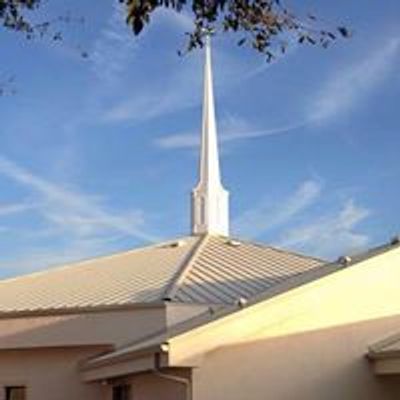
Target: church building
{"x": 205, "y": 317}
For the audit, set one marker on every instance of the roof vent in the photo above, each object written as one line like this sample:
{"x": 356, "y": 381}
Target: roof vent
{"x": 241, "y": 302}
{"x": 233, "y": 243}
{"x": 395, "y": 240}
{"x": 177, "y": 243}
{"x": 344, "y": 260}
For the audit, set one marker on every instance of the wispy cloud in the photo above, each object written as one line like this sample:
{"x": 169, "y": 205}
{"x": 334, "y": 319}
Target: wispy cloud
{"x": 74, "y": 211}
{"x": 116, "y": 63}
{"x": 45, "y": 256}
{"x": 330, "y": 235}
{"x": 232, "y": 133}
{"x": 179, "y": 141}
{"x": 341, "y": 93}
{"x": 297, "y": 222}
{"x": 114, "y": 47}
{"x": 180, "y": 20}
{"x": 347, "y": 87}
{"x": 73, "y": 224}
{"x": 16, "y": 208}
{"x": 267, "y": 215}
{"x": 228, "y": 124}
{"x": 178, "y": 86}
{"x": 174, "y": 93}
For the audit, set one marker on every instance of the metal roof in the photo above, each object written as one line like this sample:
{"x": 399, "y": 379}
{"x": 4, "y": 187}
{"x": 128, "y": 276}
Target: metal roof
{"x": 194, "y": 269}
{"x": 225, "y": 270}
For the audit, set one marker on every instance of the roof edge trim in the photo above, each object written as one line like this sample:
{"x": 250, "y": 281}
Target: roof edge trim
{"x": 78, "y": 310}
{"x": 103, "y": 360}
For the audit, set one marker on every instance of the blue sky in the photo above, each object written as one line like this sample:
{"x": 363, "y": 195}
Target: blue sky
{"x": 99, "y": 155}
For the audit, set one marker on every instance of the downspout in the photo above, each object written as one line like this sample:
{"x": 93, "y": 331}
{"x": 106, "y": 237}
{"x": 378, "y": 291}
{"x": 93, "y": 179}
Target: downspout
{"x": 173, "y": 378}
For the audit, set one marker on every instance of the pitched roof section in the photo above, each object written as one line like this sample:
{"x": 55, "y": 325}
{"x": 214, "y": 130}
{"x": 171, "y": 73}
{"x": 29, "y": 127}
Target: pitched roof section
{"x": 195, "y": 269}
{"x": 138, "y": 276}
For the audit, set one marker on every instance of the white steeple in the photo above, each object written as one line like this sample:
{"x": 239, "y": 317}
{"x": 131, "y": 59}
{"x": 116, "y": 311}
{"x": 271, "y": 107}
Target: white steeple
{"x": 210, "y": 208}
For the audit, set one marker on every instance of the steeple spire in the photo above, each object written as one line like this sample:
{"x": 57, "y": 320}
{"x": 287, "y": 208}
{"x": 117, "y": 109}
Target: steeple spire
{"x": 210, "y": 208}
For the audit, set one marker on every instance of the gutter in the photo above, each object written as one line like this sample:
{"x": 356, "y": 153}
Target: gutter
{"x": 78, "y": 310}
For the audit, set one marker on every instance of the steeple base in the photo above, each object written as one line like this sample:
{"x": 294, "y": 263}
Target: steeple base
{"x": 210, "y": 212}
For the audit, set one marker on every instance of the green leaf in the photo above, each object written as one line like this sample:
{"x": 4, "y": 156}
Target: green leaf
{"x": 137, "y": 25}
{"x": 344, "y": 31}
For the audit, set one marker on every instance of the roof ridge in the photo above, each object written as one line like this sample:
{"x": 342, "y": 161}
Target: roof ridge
{"x": 186, "y": 266}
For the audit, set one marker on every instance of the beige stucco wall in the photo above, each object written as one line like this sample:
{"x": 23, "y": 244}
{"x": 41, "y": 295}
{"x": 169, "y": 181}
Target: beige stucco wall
{"x": 327, "y": 364}
{"x": 89, "y": 328}
{"x": 31, "y": 354}
{"x": 43, "y": 352}
{"x": 48, "y": 374}
{"x": 309, "y": 343}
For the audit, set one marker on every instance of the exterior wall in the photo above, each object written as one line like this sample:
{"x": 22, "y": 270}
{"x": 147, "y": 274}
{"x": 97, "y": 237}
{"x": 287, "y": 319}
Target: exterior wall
{"x": 91, "y": 328}
{"x": 48, "y": 374}
{"x": 149, "y": 386}
{"x": 309, "y": 343}
{"x": 37, "y": 352}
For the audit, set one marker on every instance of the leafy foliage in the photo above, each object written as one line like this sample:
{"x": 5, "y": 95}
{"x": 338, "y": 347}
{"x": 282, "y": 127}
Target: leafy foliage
{"x": 13, "y": 16}
{"x": 266, "y": 25}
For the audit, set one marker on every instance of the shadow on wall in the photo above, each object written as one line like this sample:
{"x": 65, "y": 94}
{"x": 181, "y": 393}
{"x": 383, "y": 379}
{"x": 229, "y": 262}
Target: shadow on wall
{"x": 328, "y": 364}
{"x": 108, "y": 328}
